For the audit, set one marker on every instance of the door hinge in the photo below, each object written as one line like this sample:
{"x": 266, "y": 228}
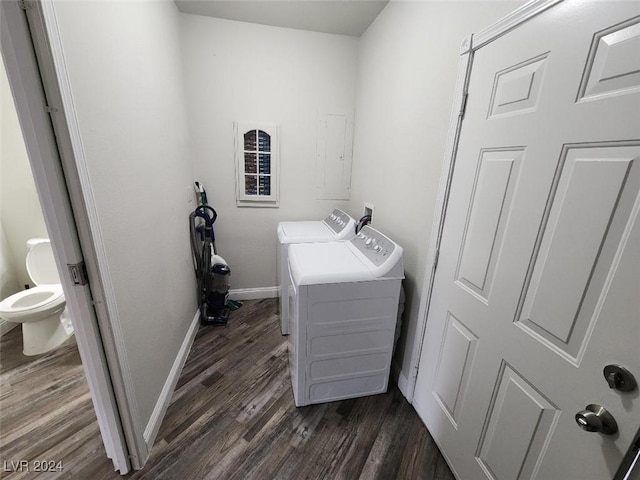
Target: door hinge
{"x": 24, "y": 5}
{"x": 78, "y": 273}
{"x": 49, "y": 109}
{"x": 436, "y": 257}
{"x": 463, "y": 105}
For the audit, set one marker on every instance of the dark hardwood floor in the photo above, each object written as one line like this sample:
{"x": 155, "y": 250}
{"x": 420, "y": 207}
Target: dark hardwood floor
{"x": 231, "y": 417}
{"x": 45, "y": 410}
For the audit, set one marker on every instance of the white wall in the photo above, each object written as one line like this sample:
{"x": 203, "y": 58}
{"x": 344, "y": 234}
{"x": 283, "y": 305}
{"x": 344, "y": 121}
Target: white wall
{"x": 407, "y": 70}
{"x": 126, "y": 78}
{"x": 9, "y": 283}
{"x": 20, "y": 209}
{"x": 238, "y": 71}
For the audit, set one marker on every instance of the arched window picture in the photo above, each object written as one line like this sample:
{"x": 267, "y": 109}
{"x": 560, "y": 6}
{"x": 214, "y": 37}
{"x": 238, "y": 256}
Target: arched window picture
{"x": 256, "y": 164}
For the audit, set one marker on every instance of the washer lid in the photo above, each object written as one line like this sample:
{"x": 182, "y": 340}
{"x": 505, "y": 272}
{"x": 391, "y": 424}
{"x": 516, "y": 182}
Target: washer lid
{"x": 304, "y": 232}
{"x": 41, "y": 265}
{"x": 332, "y": 262}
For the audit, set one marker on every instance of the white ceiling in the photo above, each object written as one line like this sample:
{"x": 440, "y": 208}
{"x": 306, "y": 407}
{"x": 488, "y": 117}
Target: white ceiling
{"x": 346, "y": 17}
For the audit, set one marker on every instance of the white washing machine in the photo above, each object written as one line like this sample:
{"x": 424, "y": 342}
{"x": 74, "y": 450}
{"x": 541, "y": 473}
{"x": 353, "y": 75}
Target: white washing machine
{"x": 337, "y": 226}
{"x": 343, "y": 310}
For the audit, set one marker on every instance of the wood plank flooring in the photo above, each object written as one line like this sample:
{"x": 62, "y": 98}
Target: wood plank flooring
{"x": 46, "y": 412}
{"x": 231, "y": 417}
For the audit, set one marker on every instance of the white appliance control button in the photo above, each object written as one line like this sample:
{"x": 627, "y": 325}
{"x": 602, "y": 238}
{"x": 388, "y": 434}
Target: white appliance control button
{"x": 377, "y": 248}
{"x": 368, "y": 241}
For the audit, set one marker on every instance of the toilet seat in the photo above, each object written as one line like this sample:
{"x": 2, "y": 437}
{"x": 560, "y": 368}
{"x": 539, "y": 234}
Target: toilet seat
{"x": 37, "y": 302}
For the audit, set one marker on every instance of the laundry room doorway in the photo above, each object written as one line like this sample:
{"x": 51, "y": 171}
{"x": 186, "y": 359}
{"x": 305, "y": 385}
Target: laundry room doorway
{"x": 532, "y": 330}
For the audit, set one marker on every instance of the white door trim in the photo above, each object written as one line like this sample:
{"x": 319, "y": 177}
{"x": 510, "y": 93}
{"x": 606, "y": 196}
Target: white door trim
{"x": 524, "y": 13}
{"x": 35, "y": 114}
{"x": 58, "y": 88}
{"x": 469, "y": 46}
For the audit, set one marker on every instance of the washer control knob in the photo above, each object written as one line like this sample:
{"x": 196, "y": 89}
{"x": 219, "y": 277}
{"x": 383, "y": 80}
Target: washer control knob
{"x": 368, "y": 242}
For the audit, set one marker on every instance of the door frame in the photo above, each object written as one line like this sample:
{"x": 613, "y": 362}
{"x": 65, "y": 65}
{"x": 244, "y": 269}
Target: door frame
{"x": 469, "y": 46}
{"x": 59, "y": 189}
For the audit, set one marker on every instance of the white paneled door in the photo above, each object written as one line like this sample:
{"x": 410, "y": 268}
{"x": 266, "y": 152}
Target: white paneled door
{"x": 538, "y": 283}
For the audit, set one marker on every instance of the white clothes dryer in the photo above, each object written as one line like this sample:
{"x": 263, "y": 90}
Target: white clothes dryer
{"x": 343, "y": 311}
{"x": 336, "y": 227}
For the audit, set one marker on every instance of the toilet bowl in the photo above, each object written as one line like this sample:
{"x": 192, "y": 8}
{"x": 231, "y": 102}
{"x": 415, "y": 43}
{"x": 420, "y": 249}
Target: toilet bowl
{"x": 39, "y": 309}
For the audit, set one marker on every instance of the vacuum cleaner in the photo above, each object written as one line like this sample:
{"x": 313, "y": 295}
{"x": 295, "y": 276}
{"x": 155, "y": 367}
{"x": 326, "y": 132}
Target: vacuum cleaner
{"x": 212, "y": 272}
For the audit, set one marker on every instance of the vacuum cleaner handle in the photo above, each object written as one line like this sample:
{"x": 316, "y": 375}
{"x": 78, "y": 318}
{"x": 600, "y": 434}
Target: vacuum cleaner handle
{"x": 212, "y": 217}
{"x": 208, "y": 222}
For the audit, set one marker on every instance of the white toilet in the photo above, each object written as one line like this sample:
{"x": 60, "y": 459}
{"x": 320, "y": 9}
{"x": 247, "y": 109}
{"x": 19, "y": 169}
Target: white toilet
{"x": 39, "y": 309}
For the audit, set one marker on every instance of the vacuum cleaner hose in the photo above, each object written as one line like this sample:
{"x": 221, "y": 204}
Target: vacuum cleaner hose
{"x": 202, "y": 209}
{"x": 195, "y": 252}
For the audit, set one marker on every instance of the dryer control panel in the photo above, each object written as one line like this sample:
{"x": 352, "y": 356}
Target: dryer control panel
{"x": 337, "y": 220}
{"x": 374, "y": 245}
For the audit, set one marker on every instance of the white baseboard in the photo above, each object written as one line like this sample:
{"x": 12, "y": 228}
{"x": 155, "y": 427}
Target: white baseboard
{"x": 6, "y": 327}
{"x": 402, "y": 380}
{"x": 162, "y": 404}
{"x": 253, "y": 293}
